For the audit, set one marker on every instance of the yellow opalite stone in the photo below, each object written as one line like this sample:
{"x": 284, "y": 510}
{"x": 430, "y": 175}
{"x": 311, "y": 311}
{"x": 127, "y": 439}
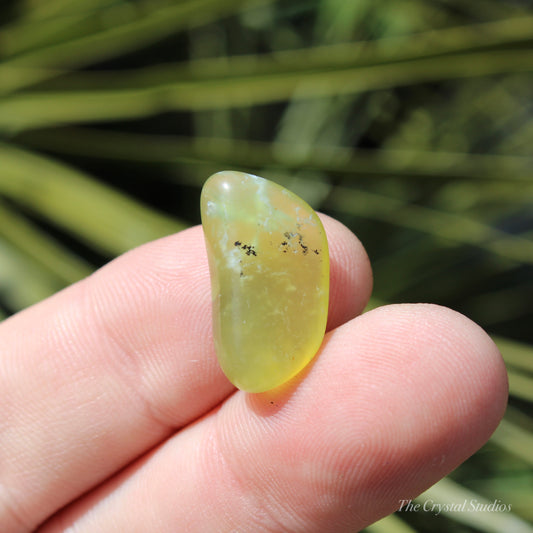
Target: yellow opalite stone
{"x": 269, "y": 265}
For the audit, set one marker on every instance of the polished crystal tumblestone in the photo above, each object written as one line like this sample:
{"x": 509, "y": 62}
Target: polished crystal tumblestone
{"x": 269, "y": 266}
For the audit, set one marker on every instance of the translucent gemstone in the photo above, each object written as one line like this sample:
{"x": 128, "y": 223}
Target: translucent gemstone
{"x": 269, "y": 265}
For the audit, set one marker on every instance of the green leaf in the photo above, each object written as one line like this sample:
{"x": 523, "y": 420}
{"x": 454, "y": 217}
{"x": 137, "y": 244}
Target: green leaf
{"x": 101, "y": 216}
{"x": 41, "y": 247}
{"x": 477, "y": 512}
{"x": 131, "y": 29}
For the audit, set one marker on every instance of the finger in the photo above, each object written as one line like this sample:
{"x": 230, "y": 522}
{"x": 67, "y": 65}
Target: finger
{"x": 396, "y": 399}
{"x": 350, "y": 274}
{"x": 94, "y": 376}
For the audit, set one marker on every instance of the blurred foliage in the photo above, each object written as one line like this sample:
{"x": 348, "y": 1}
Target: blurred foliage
{"x": 408, "y": 120}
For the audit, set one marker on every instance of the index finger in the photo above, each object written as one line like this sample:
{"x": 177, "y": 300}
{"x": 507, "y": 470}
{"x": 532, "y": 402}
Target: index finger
{"x": 106, "y": 369}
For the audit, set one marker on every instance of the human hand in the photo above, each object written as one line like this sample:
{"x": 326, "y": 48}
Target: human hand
{"x": 116, "y": 416}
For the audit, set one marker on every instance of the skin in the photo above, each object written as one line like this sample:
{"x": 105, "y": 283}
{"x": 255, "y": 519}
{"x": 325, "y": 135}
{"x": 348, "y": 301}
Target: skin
{"x": 115, "y": 415}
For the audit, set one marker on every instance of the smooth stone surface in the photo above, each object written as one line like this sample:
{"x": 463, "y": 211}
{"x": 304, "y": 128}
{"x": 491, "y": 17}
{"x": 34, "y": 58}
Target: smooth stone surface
{"x": 269, "y": 265}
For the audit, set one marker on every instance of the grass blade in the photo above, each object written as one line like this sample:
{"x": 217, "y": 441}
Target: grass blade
{"x": 38, "y": 109}
{"x": 449, "y": 226}
{"x": 515, "y": 436}
{"x": 448, "y": 492}
{"x": 517, "y": 354}
{"x": 101, "y": 216}
{"x": 42, "y": 248}
{"x": 149, "y": 23}
{"x": 390, "y": 524}
{"x": 402, "y": 164}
